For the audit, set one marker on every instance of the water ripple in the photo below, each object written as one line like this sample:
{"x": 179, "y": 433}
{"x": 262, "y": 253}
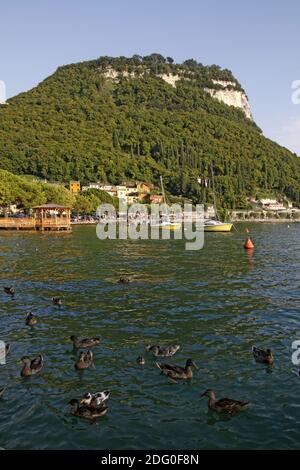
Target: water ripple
{"x": 216, "y": 303}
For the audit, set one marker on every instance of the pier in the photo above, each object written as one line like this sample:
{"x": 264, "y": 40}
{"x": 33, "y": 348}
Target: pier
{"x": 48, "y": 217}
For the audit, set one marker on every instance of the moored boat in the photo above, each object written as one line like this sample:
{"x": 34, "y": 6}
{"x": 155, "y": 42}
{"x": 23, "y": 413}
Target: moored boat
{"x": 171, "y": 226}
{"x": 166, "y": 224}
{"x": 217, "y": 226}
{"x": 167, "y": 221}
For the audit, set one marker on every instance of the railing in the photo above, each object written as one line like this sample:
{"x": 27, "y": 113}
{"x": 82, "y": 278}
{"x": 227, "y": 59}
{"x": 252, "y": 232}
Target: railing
{"x": 32, "y": 223}
{"x": 10, "y": 222}
{"x": 53, "y": 222}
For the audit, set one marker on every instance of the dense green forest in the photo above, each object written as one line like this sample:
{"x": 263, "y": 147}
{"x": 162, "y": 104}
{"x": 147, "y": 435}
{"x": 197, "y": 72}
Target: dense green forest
{"x": 77, "y": 124}
{"x": 27, "y": 192}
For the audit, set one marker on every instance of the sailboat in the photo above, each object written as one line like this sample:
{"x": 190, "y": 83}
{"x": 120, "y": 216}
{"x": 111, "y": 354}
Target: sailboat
{"x": 212, "y": 225}
{"x": 215, "y": 225}
{"x": 166, "y": 221}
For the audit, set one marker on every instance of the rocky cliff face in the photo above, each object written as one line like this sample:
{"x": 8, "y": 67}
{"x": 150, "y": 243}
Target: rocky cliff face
{"x": 225, "y": 91}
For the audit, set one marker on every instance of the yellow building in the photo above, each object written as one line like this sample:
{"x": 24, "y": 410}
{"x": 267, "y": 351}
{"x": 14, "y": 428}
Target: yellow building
{"x": 75, "y": 187}
{"x": 144, "y": 189}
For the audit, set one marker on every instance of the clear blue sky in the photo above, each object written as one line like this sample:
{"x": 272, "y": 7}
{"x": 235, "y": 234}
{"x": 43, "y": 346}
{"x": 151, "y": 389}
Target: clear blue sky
{"x": 259, "y": 42}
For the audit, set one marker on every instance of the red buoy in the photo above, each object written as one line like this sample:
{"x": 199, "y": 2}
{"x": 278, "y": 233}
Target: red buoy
{"x": 249, "y": 245}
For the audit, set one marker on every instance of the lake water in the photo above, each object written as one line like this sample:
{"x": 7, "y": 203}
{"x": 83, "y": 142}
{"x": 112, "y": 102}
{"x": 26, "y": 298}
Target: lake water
{"x": 215, "y": 303}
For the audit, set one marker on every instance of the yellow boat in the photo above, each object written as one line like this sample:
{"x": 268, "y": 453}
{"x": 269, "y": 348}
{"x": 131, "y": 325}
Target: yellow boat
{"x": 167, "y": 222}
{"x": 166, "y": 225}
{"x": 217, "y": 226}
{"x": 175, "y": 226}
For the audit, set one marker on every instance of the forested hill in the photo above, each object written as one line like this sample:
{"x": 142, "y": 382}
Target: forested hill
{"x": 114, "y": 119}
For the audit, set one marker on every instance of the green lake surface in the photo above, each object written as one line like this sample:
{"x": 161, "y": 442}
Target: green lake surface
{"x": 216, "y": 303}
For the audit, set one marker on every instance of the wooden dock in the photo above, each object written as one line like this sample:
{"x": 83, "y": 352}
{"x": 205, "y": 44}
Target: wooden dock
{"x": 30, "y": 223}
{"x": 48, "y": 217}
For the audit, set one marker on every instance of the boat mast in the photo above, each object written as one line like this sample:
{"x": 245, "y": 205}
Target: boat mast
{"x": 163, "y": 189}
{"x": 214, "y": 192}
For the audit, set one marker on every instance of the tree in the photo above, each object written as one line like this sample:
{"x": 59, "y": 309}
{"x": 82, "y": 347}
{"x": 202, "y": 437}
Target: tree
{"x": 82, "y": 205}
{"x": 58, "y": 194}
{"x": 6, "y": 194}
{"x": 154, "y": 58}
{"x": 190, "y": 63}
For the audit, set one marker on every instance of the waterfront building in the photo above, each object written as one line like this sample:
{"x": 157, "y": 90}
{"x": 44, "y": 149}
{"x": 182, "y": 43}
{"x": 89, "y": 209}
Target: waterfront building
{"x": 75, "y": 187}
{"x": 156, "y": 199}
{"x": 128, "y": 191}
{"x": 271, "y": 205}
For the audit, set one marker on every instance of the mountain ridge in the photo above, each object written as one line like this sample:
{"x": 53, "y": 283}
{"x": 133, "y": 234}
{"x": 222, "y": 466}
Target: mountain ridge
{"x": 79, "y": 124}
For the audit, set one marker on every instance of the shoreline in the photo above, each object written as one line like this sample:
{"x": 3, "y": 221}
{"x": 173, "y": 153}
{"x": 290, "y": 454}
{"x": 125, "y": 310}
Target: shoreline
{"x": 266, "y": 221}
{"x": 233, "y": 221}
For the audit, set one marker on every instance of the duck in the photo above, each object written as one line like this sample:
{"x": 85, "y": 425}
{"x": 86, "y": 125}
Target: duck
{"x": 84, "y": 343}
{"x": 2, "y": 390}
{"x": 153, "y": 348}
{"x": 264, "y": 356}
{"x": 31, "y": 366}
{"x": 31, "y": 319}
{"x": 140, "y": 360}
{"x": 88, "y": 412}
{"x": 94, "y": 400}
{"x": 174, "y": 372}
{"x": 85, "y": 360}
{"x": 9, "y": 290}
{"x": 168, "y": 351}
{"x": 124, "y": 280}
{"x": 4, "y": 352}
{"x": 224, "y": 405}
{"x": 57, "y": 301}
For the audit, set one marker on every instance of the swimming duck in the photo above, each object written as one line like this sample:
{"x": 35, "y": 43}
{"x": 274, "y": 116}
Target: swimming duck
{"x": 4, "y": 352}
{"x": 84, "y": 411}
{"x": 31, "y": 319}
{"x": 140, "y": 360}
{"x": 153, "y": 348}
{"x": 9, "y": 290}
{"x": 177, "y": 372}
{"x": 168, "y": 351}
{"x": 57, "y": 301}
{"x": 31, "y": 366}
{"x": 124, "y": 280}
{"x": 94, "y": 400}
{"x": 224, "y": 405}
{"x": 264, "y": 356}
{"x": 85, "y": 360}
{"x": 84, "y": 343}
